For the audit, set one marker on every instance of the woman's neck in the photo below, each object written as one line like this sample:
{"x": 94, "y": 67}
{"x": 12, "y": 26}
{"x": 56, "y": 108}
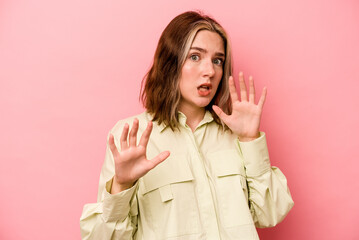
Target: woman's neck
{"x": 194, "y": 116}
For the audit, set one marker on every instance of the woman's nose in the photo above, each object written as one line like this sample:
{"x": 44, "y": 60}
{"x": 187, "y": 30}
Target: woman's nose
{"x": 208, "y": 69}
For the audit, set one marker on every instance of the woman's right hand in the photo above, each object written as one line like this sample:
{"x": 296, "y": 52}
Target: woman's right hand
{"x": 131, "y": 163}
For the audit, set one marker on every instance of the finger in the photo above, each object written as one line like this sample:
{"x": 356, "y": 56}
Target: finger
{"x": 133, "y": 133}
{"x": 146, "y": 135}
{"x": 222, "y": 115}
{"x": 159, "y": 158}
{"x": 113, "y": 148}
{"x": 242, "y": 87}
{"x": 263, "y": 98}
{"x": 232, "y": 90}
{"x": 251, "y": 90}
{"x": 123, "y": 139}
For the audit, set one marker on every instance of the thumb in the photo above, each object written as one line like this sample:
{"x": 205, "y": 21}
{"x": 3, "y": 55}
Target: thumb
{"x": 159, "y": 158}
{"x": 222, "y": 115}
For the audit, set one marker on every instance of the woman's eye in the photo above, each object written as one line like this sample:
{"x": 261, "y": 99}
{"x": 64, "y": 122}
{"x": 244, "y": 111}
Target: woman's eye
{"x": 218, "y": 61}
{"x": 194, "y": 57}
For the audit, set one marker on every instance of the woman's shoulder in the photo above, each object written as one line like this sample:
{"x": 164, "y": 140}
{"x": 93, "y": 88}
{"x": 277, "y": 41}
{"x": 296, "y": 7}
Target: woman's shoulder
{"x": 143, "y": 118}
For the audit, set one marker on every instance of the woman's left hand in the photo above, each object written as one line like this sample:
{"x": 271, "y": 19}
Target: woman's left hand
{"x": 246, "y": 115}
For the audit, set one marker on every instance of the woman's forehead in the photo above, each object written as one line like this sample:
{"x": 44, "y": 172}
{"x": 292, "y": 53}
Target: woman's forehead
{"x": 208, "y": 41}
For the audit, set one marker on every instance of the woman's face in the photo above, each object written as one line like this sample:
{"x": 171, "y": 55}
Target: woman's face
{"x": 202, "y": 71}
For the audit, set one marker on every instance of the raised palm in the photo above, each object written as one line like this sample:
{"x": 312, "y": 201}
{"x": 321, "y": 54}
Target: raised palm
{"x": 245, "y": 118}
{"x": 131, "y": 162}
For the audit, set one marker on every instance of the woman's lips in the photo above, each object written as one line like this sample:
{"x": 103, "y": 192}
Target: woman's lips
{"x": 204, "y": 89}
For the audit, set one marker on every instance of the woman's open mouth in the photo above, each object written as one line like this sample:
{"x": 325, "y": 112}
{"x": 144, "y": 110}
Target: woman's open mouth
{"x": 204, "y": 89}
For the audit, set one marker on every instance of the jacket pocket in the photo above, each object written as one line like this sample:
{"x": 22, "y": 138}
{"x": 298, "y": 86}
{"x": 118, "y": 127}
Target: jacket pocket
{"x": 231, "y": 187}
{"x": 167, "y": 196}
{"x": 175, "y": 169}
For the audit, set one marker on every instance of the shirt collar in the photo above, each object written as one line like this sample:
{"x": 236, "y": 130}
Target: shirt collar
{"x": 182, "y": 120}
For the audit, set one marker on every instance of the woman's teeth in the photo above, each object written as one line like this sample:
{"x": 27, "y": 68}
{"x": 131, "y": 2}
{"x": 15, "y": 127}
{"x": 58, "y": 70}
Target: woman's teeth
{"x": 204, "y": 88}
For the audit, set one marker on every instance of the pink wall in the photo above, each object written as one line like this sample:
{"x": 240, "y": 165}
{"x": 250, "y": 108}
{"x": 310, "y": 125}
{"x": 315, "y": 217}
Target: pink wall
{"x": 70, "y": 69}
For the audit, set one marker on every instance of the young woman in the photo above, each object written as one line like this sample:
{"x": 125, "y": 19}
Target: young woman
{"x": 194, "y": 165}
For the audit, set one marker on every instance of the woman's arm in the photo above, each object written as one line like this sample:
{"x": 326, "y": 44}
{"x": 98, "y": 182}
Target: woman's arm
{"x": 268, "y": 194}
{"x": 114, "y": 216}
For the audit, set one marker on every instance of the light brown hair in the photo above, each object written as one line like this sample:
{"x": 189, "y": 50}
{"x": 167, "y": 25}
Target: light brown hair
{"x": 160, "y": 87}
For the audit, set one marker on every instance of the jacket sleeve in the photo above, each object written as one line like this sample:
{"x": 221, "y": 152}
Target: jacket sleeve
{"x": 113, "y": 216}
{"x": 268, "y": 193}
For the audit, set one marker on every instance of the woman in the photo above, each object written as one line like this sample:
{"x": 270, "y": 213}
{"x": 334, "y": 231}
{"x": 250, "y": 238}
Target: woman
{"x": 194, "y": 165}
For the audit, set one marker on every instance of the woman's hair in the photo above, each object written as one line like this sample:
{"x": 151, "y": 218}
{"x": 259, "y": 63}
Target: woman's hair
{"x": 161, "y": 94}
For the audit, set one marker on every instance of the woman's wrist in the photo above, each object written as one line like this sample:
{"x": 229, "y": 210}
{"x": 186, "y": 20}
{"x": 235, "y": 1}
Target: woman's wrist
{"x": 117, "y": 187}
{"x": 248, "y": 138}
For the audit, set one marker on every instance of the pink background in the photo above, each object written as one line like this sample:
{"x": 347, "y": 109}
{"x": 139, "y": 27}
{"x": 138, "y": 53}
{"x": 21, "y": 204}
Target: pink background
{"x": 70, "y": 69}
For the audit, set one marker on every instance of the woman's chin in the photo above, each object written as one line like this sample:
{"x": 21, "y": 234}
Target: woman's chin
{"x": 203, "y": 104}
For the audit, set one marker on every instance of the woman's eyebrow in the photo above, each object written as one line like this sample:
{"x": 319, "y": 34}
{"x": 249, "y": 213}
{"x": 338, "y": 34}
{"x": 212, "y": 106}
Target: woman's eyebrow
{"x": 205, "y": 51}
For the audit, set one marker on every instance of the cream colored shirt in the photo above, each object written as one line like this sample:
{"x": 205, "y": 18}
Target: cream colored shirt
{"x": 211, "y": 187}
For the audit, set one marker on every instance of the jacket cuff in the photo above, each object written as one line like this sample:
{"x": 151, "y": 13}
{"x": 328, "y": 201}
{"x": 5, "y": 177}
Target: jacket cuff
{"x": 255, "y": 155}
{"x": 117, "y": 206}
